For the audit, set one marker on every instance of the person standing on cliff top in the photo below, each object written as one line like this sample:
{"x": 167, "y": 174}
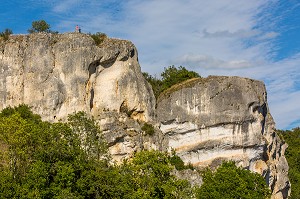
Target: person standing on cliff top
{"x": 77, "y": 29}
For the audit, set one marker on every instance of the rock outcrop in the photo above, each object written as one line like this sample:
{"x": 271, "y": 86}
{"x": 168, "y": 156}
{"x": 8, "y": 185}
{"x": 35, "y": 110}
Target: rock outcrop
{"x": 206, "y": 120}
{"x": 58, "y": 74}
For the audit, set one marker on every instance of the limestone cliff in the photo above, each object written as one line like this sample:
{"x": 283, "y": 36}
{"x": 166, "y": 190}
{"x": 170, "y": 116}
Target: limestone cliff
{"x": 206, "y": 120}
{"x": 58, "y": 74}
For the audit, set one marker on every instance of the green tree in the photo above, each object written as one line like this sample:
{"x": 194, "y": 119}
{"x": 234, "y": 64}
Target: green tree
{"x": 155, "y": 83}
{"x": 39, "y": 26}
{"x": 292, "y": 154}
{"x": 5, "y": 34}
{"x": 230, "y": 182}
{"x": 43, "y": 160}
{"x": 90, "y": 135}
{"x": 68, "y": 160}
{"x": 171, "y": 76}
{"x": 148, "y": 175}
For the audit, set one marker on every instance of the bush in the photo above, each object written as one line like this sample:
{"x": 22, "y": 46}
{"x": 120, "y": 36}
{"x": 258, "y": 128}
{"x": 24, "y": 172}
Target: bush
{"x": 176, "y": 161}
{"x": 148, "y": 129}
{"x": 5, "y": 34}
{"x": 99, "y": 37}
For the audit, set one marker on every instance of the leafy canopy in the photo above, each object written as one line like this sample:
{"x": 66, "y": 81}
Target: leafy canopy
{"x": 230, "y": 182}
{"x": 43, "y": 160}
{"x": 70, "y": 160}
{"x": 39, "y": 26}
{"x": 171, "y": 76}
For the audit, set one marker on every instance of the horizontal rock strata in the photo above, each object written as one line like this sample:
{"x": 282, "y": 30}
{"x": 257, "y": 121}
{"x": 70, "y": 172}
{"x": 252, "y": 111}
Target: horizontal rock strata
{"x": 209, "y": 120}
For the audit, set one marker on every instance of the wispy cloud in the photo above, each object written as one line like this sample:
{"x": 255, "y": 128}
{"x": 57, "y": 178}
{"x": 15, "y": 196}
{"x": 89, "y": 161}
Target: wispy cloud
{"x": 209, "y": 62}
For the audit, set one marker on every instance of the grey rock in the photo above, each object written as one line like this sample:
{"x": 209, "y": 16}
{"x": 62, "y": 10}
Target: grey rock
{"x": 58, "y": 74}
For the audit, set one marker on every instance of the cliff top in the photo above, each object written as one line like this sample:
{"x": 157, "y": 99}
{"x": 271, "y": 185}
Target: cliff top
{"x": 212, "y": 78}
{"x": 102, "y": 40}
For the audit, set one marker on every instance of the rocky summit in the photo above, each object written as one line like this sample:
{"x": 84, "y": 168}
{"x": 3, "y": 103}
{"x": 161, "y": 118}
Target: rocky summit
{"x": 206, "y": 120}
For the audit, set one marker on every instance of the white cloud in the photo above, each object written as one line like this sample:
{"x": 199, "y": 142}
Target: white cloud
{"x": 209, "y": 62}
{"x": 236, "y": 34}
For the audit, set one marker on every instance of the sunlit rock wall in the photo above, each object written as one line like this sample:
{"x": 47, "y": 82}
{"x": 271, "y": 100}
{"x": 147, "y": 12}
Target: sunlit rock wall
{"x": 209, "y": 120}
{"x": 58, "y": 74}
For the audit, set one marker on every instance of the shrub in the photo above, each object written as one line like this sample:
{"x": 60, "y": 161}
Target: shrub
{"x": 148, "y": 129}
{"x": 5, "y": 34}
{"x": 176, "y": 161}
{"x": 99, "y": 37}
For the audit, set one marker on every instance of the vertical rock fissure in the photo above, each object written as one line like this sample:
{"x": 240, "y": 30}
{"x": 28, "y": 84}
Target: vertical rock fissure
{"x": 92, "y": 69}
{"x": 91, "y": 99}
{"x": 264, "y": 112}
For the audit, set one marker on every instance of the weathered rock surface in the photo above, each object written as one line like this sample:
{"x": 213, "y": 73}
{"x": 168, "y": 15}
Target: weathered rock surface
{"x": 205, "y": 120}
{"x": 208, "y": 120}
{"x": 58, "y": 74}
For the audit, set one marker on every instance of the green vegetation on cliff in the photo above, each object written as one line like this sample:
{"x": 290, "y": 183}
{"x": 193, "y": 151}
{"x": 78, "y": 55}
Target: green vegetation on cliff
{"x": 98, "y": 37}
{"x": 292, "y": 154}
{"x": 39, "y": 26}
{"x": 5, "y": 34}
{"x": 230, "y": 182}
{"x": 171, "y": 76}
{"x": 70, "y": 160}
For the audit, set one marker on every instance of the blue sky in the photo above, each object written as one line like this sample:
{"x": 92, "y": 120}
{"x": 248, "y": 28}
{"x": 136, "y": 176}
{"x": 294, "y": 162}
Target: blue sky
{"x": 258, "y": 39}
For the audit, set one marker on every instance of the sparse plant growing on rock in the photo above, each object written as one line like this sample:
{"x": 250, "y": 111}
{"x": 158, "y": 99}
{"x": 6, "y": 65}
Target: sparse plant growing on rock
{"x": 176, "y": 161}
{"x": 99, "y": 37}
{"x": 148, "y": 129}
{"x": 5, "y": 34}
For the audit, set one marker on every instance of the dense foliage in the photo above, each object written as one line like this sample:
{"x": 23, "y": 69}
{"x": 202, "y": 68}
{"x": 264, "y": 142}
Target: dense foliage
{"x": 292, "y": 154}
{"x": 230, "y": 182}
{"x": 39, "y": 26}
{"x": 44, "y": 160}
{"x": 171, "y": 76}
{"x": 5, "y": 34}
{"x": 70, "y": 160}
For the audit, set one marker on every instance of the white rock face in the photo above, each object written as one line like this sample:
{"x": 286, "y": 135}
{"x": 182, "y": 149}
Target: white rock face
{"x": 58, "y": 74}
{"x": 213, "y": 119}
